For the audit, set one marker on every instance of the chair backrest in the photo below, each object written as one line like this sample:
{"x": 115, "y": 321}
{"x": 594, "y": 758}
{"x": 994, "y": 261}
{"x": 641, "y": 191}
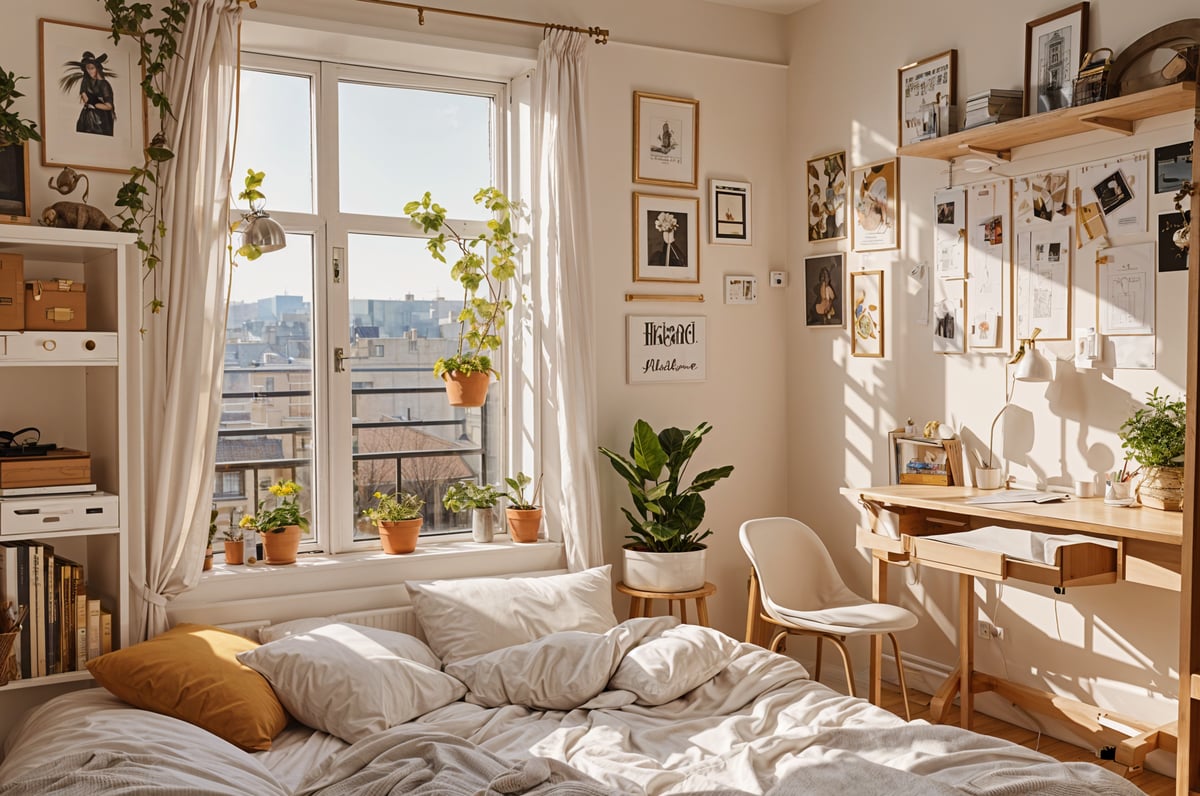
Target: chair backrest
{"x": 794, "y": 569}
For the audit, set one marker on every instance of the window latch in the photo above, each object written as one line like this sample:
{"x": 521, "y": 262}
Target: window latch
{"x": 340, "y": 358}
{"x": 338, "y": 253}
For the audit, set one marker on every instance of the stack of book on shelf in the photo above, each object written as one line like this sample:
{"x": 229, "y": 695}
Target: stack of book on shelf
{"x": 992, "y": 107}
{"x": 63, "y": 628}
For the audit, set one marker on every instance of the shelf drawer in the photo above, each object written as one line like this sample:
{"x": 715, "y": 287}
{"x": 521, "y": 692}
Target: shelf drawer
{"x": 1074, "y": 565}
{"x": 68, "y": 513}
{"x": 55, "y": 347}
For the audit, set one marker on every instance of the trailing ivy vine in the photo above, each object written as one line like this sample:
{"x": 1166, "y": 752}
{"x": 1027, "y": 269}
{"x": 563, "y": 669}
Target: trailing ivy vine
{"x": 140, "y": 197}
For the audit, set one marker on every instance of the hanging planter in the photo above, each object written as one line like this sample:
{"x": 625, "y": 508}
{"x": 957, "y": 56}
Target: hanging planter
{"x": 467, "y": 389}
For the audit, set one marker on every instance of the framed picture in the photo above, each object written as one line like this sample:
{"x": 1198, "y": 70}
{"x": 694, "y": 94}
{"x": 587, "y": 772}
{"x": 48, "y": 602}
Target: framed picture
{"x": 874, "y": 189}
{"x": 93, "y": 114}
{"x": 866, "y": 318}
{"x": 666, "y": 138}
{"x": 741, "y": 289}
{"x": 823, "y": 296}
{"x": 666, "y": 242}
{"x": 1172, "y": 167}
{"x": 1173, "y": 242}
{"x": 14, "y": 184}
{"x": 729, "y": 210}
{"x": 1054, "y": 45}
{"x": 827, "y": 197}
{"x": 665, "y": 348}
{"x": 927, "y": 91}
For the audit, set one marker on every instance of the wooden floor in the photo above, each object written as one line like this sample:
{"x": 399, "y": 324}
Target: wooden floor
{"x": 1151, "y": 783}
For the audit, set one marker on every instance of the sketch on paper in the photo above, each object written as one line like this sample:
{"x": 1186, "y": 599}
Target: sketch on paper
{"x": 1042, "y": 198}
{"x": 988, "y": 258}
{"x": 1126, "y": 287}
{"x": 1043, "y": 283}
{"x": 950, "y": 233}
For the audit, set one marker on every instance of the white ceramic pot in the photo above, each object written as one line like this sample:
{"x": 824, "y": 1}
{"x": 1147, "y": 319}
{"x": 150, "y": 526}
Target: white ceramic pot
{"x": 989, "y": 477}
{"x": 664, "y": 572}
{"x": 483, "y": 524}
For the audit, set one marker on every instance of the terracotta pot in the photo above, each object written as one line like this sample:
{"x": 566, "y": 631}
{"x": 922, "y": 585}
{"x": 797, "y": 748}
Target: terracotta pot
{"x": 281, "y": 547}
{"x": 399, "y": 536}
{"x": 1162, "y": 488}
{"x": 523, "y": 524}
{"x": 235, "y": 552}
{"x": 469, "y": 389}
{"x": 208, "y": 554}
{"x": 664, "y": 572}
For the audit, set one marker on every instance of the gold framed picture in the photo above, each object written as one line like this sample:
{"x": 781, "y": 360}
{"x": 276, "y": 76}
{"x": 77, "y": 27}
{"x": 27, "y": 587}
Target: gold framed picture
{"x": 666, "y": 236}
{"x": 827, "y": 197}
{"x": 927, "y": 91}
{"x": 866, "y": 317}
{"x": 666, "y": 140}
{"x": 874, "y": 189}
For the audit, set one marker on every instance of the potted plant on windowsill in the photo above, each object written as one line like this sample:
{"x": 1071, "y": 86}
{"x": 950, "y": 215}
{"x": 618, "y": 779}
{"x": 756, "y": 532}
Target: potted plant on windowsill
{"x": 398, "y": 518}
{"x": 1153, "y": 436}
{"x": 481, "y": 500}
{"x": 235, "y": 546}
{"x": 665, "y": 553}
{"x": 524, "y": 514}
{"x": 212, "y": 533}
{"x": 484, "y": 267}
{"x": 281, "y": 526}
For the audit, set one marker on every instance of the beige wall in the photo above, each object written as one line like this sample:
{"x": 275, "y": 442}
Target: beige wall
{"x": 1115, "y": 646}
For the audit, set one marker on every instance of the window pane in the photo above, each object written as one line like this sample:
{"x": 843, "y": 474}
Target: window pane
{"x": 266, "y": 432}
{"x": 397, "y": 143}
{"x": 405, "y": 435}
{"x": 275, "y": 136}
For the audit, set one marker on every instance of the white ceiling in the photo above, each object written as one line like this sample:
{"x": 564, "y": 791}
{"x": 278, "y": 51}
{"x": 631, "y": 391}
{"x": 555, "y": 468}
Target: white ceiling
{"x": 773, "y": 6}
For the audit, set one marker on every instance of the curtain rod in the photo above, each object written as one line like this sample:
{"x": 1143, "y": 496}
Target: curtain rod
{"x": 598, "y": 33}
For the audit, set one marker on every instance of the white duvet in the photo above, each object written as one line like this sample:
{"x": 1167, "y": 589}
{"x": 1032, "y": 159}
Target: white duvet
{"x": 759, "y": 725}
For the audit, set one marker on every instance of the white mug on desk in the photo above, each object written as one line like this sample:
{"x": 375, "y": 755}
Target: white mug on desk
{"x": 989, "y": 477}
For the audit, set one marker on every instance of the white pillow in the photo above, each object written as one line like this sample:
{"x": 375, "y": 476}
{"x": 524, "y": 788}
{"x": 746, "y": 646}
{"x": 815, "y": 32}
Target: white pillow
{"x": 473, "y": 616}
{"x": 339, "y": 679}
{"x": 672, "y": 663}
{"x": 401, "y": 644}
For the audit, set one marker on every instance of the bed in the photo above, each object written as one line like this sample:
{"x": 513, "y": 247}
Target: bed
{"x": 520, "y": 686}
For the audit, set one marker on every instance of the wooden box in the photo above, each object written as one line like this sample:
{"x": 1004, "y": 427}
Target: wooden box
{"x": 61, "y": 467}
{"x": 12, "y": 292}
{"x": 55, "y": 304}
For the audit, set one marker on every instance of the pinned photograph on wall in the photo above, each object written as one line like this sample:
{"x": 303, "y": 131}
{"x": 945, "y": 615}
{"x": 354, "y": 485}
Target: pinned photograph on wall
{"x": 866, "y": 320}
{"x": 729, "y": 208}
{"x": 1042, "y": 198}
{"x": 1054, "y": 47}
{"x": 950, "y": 233}
{"x": 666, "y": 241}
{"x": 1172, "y": 167}
{"x": 827, "y": 197}
{"x": 1125, "y": 283}
{"x": 823, "y": 295}
{"x": 989, "y": 279}
{"x": 927, "y": 97}
{"x": 1115, "y": 189}
{"x": 874, "y": 188}
{"x": 949, "y": 310}
{"x": 1173, "y": 242}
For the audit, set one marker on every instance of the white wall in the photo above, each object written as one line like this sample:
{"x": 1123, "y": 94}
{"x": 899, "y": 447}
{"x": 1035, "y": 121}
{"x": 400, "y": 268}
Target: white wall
{"x": 1115, "y": 646}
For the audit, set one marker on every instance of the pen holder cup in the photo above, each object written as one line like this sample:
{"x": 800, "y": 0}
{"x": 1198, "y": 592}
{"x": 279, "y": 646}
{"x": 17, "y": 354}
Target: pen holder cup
{"x": 1118, "y": 493}
{"x": 989, "y": 477}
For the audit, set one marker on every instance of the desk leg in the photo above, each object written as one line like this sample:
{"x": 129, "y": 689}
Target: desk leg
{"x": 966, "y": 649}
{"x": 879, "y": 576}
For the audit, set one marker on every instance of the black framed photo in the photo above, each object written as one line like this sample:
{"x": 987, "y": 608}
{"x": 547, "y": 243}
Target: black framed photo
{"x": 14, "y": 184}
{"x": 1054, "y": 46}
{"x": 824, "y": 296}
{"x": 729, "y": 209}
{"x": 1172, "y": 167}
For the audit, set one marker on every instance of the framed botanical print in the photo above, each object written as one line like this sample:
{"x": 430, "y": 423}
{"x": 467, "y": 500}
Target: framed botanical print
{"x": 927, "y": 91}
{"x": 874, "y": 189}
{"x": 827, "y": 197}
{"x": 93, "y": 115}
{"x": 729, "y": 212}
{"x": 866, "y": 314}
{"x": 666, "y": 238}
{"x": 14, "y": 184}
{"x": 824, "y": 298}
{"x": 1054, "y": 46}
{"x": 666, "y": 135}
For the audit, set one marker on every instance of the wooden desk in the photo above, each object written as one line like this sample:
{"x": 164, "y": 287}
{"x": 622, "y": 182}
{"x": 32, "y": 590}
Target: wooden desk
{"x": 1148, "y": 551}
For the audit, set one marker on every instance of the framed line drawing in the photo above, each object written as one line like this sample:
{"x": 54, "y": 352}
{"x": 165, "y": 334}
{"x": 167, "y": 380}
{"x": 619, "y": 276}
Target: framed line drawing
{"x": 1054, "y": 46}
{"x": 665, "y": 348}
{"x": 926, "y": 99}
{"x": 14, "y": 184}
{"x": 874, "y": 190}
{"x": 866, "y": 319}
{"x": 950, "y": 233}
{"x": 666, "y": 238}
{"x": 827, "y": 197}
{"x": 729, "y": 212}
{"x": 666, "y": 139}
{"x": 1125, "y": 282}
{"x": 93, "y": 113}
{"x": 824, "y": 298}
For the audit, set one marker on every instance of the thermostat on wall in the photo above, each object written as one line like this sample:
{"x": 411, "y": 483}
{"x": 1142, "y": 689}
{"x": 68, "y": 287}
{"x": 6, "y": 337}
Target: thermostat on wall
{"x": 779, "y": 279}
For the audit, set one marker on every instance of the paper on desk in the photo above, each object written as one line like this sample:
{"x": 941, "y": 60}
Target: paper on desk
{"x": 1017, "y": 496}
{"x": 1023, "y": 545}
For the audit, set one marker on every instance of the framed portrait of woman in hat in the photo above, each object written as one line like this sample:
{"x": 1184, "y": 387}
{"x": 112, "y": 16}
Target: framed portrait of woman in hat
{"x": 93, "y": 112}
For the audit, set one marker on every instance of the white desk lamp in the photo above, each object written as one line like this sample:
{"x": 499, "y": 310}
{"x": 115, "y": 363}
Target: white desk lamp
{"x": 1031, "y": 366}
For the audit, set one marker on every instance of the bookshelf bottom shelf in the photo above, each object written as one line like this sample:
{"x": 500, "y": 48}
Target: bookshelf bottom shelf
{"x": 50, "y": 679}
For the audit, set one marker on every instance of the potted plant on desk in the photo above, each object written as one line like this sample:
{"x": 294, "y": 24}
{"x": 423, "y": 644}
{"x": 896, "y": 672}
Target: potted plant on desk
{"x": 1153, "y": 436}
{"x": 480, "y": 500}
{"x": 281, "y": 526}
{"x": 398, "y": 518}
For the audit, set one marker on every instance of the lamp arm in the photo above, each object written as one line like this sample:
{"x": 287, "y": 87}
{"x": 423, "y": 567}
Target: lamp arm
{"x": 1008, "y": 393}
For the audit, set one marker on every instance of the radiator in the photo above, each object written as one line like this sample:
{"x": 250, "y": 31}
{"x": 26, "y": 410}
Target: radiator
{"x": 402, "y": 619}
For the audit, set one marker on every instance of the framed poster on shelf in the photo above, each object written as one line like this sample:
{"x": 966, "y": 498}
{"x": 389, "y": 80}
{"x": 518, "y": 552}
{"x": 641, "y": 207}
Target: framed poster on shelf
{"x": 1054, "y": 46}
{"x": 927, "y": 91}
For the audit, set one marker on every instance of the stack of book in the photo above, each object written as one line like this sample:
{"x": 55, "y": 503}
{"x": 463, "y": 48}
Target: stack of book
{"x": 63, "y": 628}
{"x": 992, "y": 107}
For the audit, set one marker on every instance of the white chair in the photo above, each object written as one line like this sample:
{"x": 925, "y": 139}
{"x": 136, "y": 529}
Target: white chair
{"x": 801, "y": 592}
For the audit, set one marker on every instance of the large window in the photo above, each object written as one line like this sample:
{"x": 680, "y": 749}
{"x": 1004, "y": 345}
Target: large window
{"x": 354, "y": 279}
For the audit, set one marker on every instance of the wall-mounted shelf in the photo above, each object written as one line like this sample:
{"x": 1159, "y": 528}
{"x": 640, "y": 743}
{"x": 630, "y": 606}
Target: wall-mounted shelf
{"x": 1119, "y": 115}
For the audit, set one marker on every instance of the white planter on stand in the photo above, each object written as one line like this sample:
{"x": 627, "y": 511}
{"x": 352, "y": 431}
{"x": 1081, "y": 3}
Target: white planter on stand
{"x": 483, "y": 524}
{"x": 664, "y": 572}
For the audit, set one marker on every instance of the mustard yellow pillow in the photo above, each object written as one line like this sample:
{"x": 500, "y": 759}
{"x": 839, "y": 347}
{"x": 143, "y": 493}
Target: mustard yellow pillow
{"x": 191, "y": 672}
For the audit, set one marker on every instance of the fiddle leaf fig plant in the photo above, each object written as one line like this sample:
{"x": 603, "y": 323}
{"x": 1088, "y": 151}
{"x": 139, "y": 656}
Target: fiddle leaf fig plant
{"x": 1153, "y": 436}
{"x": 13, "y": 129}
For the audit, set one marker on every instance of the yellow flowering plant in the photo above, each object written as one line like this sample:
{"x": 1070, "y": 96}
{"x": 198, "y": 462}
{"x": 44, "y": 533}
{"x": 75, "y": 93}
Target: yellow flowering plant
{"x": 395, "y": 507}
{"x": 286, "y": 511}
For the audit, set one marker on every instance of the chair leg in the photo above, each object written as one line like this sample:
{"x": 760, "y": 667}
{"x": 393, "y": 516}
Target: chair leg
{"x": 777, "y": 642}
{"x": 837, "y": 642}
{"x": 817, "y": 668}
{"x": 900, "y": 671}
{"x": 752, "y": 634}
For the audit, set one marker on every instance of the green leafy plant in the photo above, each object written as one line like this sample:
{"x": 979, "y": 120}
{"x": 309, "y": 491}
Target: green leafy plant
{"x": 1153, "y": 436}
{"x": 212, "y": 527}
{"x": 515, "y": 494}
{"x": 669, "y": 514}
{"x": 394, "y": 507}
{"x": 484, "y": 267}
{"x": 13, "y": 129}
{"x": 250, "y": 194}
{"x": 463, "y": 495}
{"x": 286, "y": 511}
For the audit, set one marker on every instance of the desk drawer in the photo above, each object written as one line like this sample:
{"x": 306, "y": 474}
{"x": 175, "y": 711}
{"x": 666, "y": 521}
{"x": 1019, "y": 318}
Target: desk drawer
{"x": 1074, "y": 565}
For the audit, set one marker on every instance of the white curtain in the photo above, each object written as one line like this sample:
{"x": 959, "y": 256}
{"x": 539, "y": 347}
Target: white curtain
{"x": 560, "y": 250}
{"x": 183, "y": 345}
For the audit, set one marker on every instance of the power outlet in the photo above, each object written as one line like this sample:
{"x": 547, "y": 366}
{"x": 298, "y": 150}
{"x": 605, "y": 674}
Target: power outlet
{"x": 989, "y": 631}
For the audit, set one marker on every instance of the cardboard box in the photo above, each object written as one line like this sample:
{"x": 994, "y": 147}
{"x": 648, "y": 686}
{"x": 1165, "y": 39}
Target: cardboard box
{"x": 56, "y": 468}
{"x": 12, "y": 292}
{"x": 54, "y": 305}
